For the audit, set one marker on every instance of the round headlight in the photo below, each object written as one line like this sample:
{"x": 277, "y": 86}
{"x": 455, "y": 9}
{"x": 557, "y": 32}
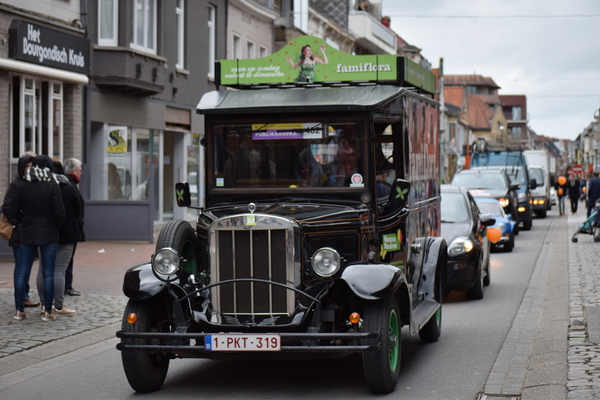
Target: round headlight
{"x": 326, "y": 262}
{"x": 460, "y": 245}
{"x": 502, "y": 227}
{"x": 165, "y": 262}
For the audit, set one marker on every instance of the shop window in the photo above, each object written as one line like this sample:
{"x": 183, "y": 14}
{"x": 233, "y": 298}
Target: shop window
{"x": 180, "y": 16}
{"x": 212, "y": 41}
{"x": 108, "y": 22}
{"x": 144, "y": 26}
{"x": 37, "y": 116}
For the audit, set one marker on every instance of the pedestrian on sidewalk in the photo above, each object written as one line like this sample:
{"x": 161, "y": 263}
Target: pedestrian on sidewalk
{"x": 38, "y": 198}
{"x": 67, "y": 237}
{"x": 593, "y": 193}
{"x": 73, "y": 171}
{"x": 25, "y": 161}
{"x": 574, "y": 192}
{"x": 561, "y": 193}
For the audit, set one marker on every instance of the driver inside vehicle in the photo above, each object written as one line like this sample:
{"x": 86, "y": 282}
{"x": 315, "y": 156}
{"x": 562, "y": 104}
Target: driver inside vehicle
{"x": 346, "y": 167}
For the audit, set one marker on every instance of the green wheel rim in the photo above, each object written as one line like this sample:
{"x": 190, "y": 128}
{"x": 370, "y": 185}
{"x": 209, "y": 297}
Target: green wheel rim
{"x": 438, "y": 316}
{"x": 394, "y": 340}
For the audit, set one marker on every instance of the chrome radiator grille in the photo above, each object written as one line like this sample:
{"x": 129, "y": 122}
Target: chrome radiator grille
{"x": 252, "y": 246}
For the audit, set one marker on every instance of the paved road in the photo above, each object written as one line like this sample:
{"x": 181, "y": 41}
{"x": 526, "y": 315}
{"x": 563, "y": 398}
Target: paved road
{"x": 560, "y": 324}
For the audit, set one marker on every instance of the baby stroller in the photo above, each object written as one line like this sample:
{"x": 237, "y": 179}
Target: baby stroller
{"x": 591, "y": 226}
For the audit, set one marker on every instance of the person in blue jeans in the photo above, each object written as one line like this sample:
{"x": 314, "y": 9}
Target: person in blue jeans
{"x": 39, "y": 200}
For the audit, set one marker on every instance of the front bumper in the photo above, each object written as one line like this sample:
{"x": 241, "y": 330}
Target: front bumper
{"x": 179, "y": 343}
{"x": 461, "y": 273}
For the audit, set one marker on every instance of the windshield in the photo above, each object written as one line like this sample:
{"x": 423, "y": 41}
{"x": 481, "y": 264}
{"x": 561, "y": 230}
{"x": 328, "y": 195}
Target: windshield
{"x": 480, "y": 181}
{"x": 290, "y": 155}
{"x": 488, "y": 207}
{"x": 538, "y": 175}
{"x": 454, "y": 207}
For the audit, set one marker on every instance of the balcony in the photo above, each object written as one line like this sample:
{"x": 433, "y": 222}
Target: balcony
{"x": 128, "y": 71}
{"x": 371, "y": 33}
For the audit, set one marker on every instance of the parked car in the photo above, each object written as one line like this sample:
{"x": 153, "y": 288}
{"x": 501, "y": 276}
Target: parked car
{"x": 504, "y": 222}
{"x": 494, "y": 184}
{"x": 464, "y": 228}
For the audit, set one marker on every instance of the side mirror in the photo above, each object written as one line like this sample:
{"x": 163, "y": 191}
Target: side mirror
{"x": 487, "y": 220}
{"x": 182, "y": 194}
{"x": 532, "y": 184}
{"x": 399, "y": 193}
{"x": 515, "y": 187}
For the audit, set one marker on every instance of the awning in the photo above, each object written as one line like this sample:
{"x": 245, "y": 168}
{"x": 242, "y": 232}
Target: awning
{"x": 39, "y": 70}
{"x": 353, "y": 98}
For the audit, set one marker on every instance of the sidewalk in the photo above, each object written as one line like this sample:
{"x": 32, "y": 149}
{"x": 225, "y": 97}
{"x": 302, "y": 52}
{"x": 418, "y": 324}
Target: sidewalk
{"x": 563, "y": 341}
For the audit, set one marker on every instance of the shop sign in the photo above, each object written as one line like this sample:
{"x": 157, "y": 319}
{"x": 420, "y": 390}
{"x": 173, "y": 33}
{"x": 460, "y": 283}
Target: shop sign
{"x": 37, "y": 44}
{"x": 309, "y": 59}
{"x": 117, "y": 141}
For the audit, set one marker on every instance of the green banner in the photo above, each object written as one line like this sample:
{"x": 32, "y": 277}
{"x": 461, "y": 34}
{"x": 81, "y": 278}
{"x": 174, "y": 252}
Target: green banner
{"x": 309, "y": 59}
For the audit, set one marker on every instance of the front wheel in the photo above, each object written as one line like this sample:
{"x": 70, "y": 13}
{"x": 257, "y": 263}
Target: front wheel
{"x": 528, "y": 223}
{"x": 382, "y": 366}
{"x": 476, "y": 292}
{"x": 145, "y": 370}
{"x": 508, "y": 246}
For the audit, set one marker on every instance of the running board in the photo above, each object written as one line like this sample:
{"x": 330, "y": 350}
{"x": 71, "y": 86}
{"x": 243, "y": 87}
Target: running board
{"x": 423, "y": 313}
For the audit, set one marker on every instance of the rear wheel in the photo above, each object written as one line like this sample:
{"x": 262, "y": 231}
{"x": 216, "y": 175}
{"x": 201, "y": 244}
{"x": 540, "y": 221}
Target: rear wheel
{"x": 382, "y": 367}
{"x": 145, "y": 370}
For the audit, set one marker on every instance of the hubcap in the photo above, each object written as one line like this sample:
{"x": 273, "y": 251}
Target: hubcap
{"x": 393, "y": 340}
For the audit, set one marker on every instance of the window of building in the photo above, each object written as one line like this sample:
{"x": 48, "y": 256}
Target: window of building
{"x": 144, "y": 26}
{"x": 179, "y": 11}
{"x": 212, "y": 41}
{"x": 262, "y": 52}
{"x": 301, "y": 15}
{"x": 471, "y": 89}
{"x": 250, "y": 49}
{"x": 36, "y": 116}
{"x": 516, "y": 132}
{"x": 108, "y": 22}
{"x": 237, "y": 47}
{"x": 516, "y": 113}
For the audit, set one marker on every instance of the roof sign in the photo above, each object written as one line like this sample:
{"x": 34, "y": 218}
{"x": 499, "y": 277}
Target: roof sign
{"x": 308, "y": 59}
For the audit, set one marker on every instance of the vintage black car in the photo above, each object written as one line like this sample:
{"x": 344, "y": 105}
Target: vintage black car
{"x": 320, "y": 236}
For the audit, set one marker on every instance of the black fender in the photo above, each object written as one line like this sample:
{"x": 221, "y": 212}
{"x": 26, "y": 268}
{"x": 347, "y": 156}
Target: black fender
{"x": 140, "y": 283}
{"x": 373, "y": 281}
{"x": 433, "y": 275}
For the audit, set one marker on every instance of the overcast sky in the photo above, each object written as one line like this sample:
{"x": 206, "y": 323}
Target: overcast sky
{"x": 548, "y": 50}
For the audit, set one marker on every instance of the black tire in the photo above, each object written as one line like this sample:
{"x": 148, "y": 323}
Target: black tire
{"x": 145, "y": 371}
{"x": 541, "y": 214}
{"x": 476, "y": 292}
{"x": 508, "y": 246}
{"x": 432, "y": 330}
{"x": 487, "y": 277}
{"x": 528, "y": 223}
{"x": 180, "y": 236}
{"x": 596, "y": 233}
{"x": 382, "y": 367}
{"x": 516, "y": 228}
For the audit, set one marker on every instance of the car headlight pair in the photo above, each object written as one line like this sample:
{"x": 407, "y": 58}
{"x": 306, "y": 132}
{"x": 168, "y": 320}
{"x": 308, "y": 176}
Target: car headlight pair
{"x": 166, "y": 263}
{"x": 460, "y": 245}
{"x": 326, "y": 262}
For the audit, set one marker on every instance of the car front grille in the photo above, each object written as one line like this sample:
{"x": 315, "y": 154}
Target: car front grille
{"x": 252, "y": 246}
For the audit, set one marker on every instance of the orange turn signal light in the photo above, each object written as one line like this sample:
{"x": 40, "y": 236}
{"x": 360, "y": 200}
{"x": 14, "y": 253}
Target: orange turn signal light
{"x": 354, "y": 317}
{"x": 132, "y": 318}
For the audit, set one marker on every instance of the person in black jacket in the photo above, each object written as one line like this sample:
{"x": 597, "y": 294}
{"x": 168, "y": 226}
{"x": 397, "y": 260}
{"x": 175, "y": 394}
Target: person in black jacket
{"x": 69, "y": 234}
{"x": 38, "y": 198}
{"x": 73, "y": 171}
{"x": 25, "y": 161}
{"x": 574, "y": 192}
{"x": 593, "y": 193}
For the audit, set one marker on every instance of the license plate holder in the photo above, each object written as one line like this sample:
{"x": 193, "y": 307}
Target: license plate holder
{"x": 242, "y": 342}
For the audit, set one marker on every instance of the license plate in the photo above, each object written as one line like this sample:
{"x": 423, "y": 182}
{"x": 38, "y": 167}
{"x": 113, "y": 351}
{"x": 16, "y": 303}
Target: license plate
{"x": 241, "y": 342}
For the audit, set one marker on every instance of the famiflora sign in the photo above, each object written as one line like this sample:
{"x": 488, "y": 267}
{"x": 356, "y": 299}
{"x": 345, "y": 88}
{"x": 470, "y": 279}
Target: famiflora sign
{"x": 308, "y": 59}
{"x": 36, "y": 44}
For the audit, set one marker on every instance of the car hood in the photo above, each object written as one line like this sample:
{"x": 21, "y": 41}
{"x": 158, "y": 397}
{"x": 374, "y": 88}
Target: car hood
{"x": 490, "y": 193}
{"x": 452, "y": 230}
